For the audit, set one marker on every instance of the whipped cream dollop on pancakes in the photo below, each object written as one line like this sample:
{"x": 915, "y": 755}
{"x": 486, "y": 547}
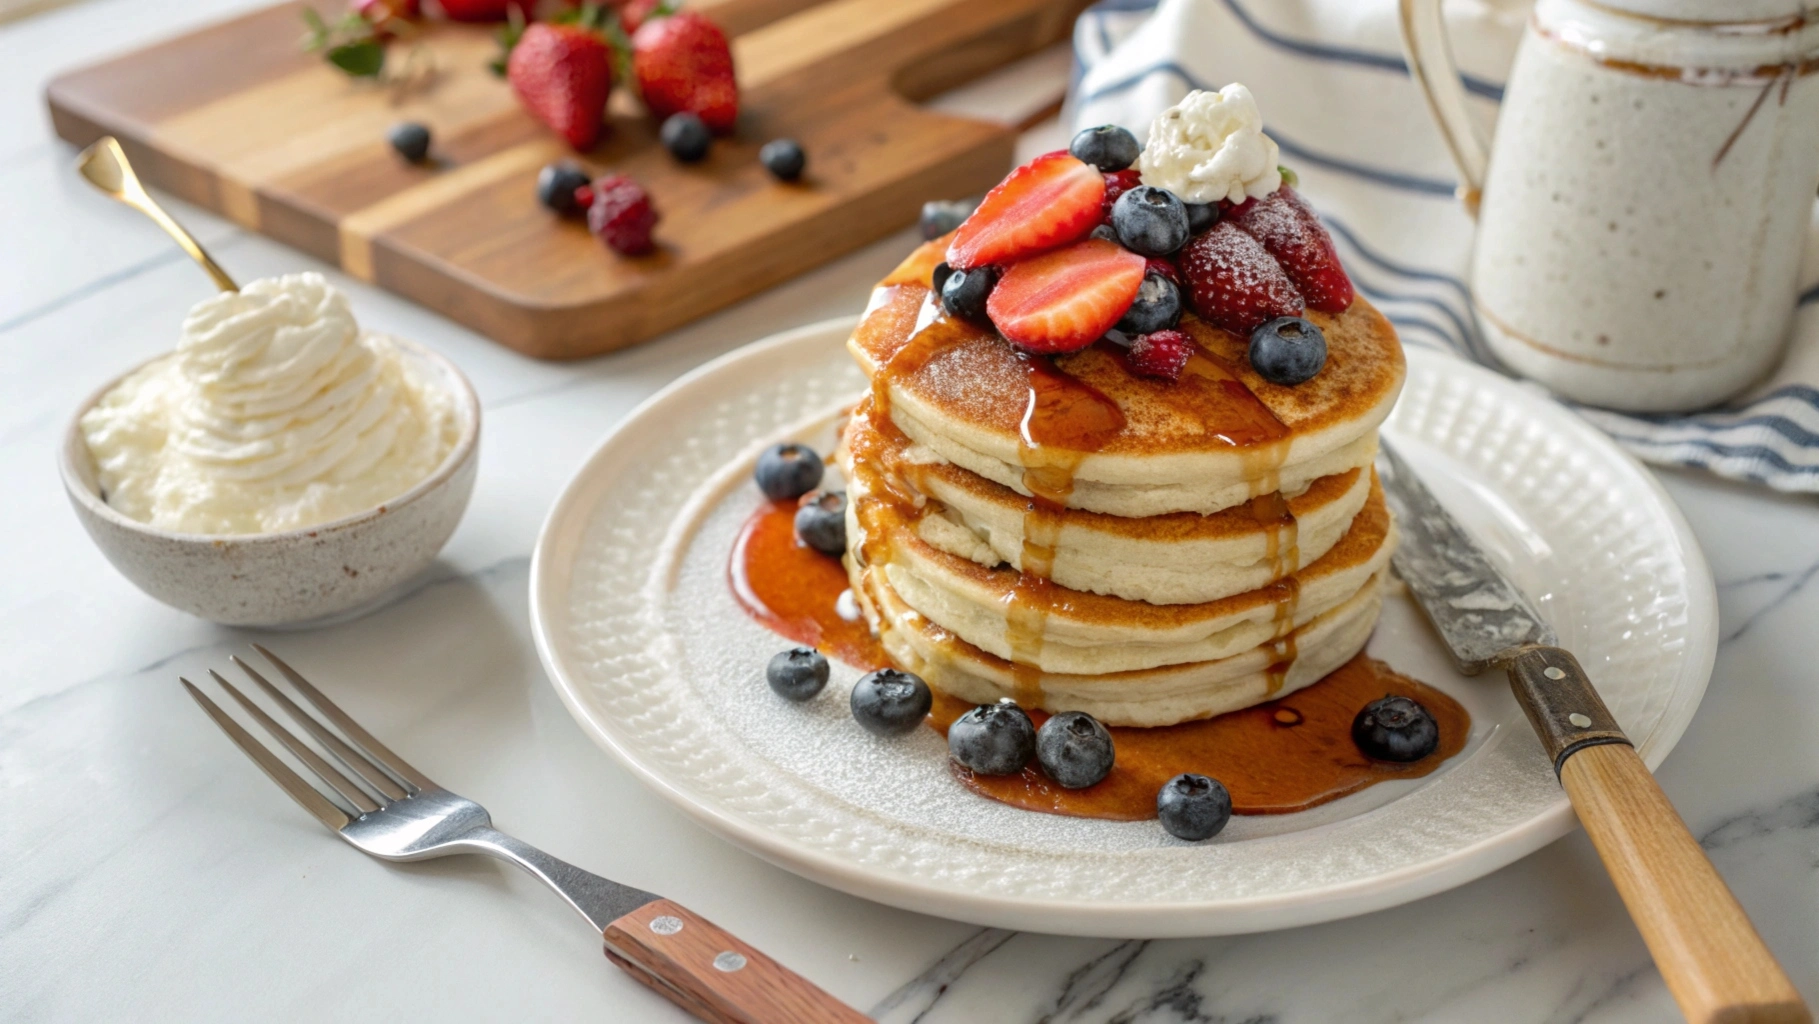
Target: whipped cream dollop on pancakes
{"x": 276, "y": 412}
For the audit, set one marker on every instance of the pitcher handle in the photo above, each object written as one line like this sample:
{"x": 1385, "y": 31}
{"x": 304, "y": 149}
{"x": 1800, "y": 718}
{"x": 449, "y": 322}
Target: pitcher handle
{"x": 1430, "y": 63}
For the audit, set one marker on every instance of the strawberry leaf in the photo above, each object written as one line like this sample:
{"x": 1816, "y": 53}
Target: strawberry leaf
{"x": 1289, "y": 177}
{"x": 508, "y": 36}
{"x": 363, "y": 59}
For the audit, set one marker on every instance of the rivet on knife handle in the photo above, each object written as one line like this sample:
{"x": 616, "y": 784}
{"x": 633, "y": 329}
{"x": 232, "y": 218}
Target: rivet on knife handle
{"x": 1561, "y": 703}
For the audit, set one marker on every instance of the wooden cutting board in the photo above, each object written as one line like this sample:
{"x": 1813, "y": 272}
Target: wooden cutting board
{"x": 238, "y": 119}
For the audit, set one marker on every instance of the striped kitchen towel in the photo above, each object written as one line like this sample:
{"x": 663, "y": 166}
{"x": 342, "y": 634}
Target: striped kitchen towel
{"x": 1338, "y": 100}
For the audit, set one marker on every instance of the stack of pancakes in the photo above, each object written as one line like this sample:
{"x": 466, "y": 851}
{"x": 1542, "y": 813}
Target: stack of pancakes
{"x": 1072, "y": 535}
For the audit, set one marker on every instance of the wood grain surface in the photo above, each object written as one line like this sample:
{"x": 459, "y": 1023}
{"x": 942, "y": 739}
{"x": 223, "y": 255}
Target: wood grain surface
{"x": 692, "y": 962}
{"x": 236, "y": 118}
{"x": 1714, "y": 963}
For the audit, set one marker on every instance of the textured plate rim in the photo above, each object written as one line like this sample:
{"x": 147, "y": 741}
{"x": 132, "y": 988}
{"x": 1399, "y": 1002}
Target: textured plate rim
{"x": 550, "y": 577}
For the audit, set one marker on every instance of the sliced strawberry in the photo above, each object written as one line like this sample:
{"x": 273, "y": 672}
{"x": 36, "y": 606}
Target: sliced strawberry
{"x": 1118, "y": 183}
{"x": 1065, "y": 300}
{"x": 1048, "y": 202}
{"x": 1161, "y": 354}
{"x": 1291, "y": 231}
{"x": 562, "y": 74}
{"x": 1233, "y": 281}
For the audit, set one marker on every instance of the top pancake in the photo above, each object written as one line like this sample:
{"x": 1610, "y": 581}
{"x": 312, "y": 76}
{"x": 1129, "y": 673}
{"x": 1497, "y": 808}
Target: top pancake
{"x": 1128, "y": 445}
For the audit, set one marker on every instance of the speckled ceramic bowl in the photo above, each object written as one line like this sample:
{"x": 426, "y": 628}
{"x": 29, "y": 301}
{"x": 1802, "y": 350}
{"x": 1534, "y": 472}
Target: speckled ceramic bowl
{"x": 298, "y": 576}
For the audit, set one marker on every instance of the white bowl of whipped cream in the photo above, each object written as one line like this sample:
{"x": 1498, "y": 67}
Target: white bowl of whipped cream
{"x": 282, "y": 466}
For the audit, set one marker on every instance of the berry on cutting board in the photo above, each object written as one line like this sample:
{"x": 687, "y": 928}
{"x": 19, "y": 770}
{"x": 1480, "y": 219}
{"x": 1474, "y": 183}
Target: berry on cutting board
{"x": 1107, "y": 147}
{"x": 634, "y": 14}
{"x": 821, "y": 522}
{"x": 558, "y": 185}
{"x": 939, "y": 216}
{"x": 1233, "y": 282}
{"x": 683, "y": 63}
{"x": 784, "y": 158}
{"x": 1157, "y": 306}
{"x": 1075, "y": 750}
{"x": 1292, "y": 233}
{"x": 562, "y": 74}
{"x": 1395, "y": 729}
{"x": 786, "y": 472}
{"x": 686, "y": 137}
{"x": 1065, "y": 300}
{"x": 477, "y": 10}
{"x": 1161, "y": 354}
{"x": 890, "y": 702}
{"x": 964, "y": 293}
{"x": 1150, "y": 221}
{"x": 992, "y": 739}
{"x": 622, "y": 215}
{"x": 797, "y": 674}
{"x": 1288, "y": 350}
{"x": 1193, "y": 807}
{"x": 1048, "y": 202}
{"x": 411, "y": 140}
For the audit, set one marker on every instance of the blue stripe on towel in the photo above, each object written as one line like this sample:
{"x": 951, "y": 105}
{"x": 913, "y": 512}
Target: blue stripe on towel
{"x": 1492, "y": 91}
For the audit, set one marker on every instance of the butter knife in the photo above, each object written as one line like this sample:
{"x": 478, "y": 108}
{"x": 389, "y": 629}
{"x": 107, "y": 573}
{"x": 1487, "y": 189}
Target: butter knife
{"x": 1714, "y": 963}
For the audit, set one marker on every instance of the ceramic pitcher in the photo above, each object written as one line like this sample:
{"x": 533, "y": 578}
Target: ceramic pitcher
{"x": 1643, "y": 208}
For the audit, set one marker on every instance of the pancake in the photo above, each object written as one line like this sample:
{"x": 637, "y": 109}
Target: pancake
{"x": 1150, "y": 697}
{"x": 1176, "y": 558}
{"x": 1043, "y": 625}
{"x": 1104, "y": 439}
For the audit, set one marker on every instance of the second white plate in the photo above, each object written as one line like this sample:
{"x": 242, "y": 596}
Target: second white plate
{"x": 643, "y": 640}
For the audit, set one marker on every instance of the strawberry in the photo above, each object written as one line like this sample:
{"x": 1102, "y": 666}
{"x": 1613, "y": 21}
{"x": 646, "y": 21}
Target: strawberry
{"x": 1065, "y": 300}
{"x": 1233, "y": 282}
{"x": 622, "y": 214}
{"x": 479, "y": 10}
{"x": 1291, "y": 231}
{"x": 1161, "y": 354}
{"x": 386, "y": 15}
{"x": 633, "y": 14}
{"x": 1166, "y": 269}
{"x": 683, "y": 63}
{"x": 1118, "y": 183}
{"x": 1050, "y": 201}
{"x": 562, "y": 74}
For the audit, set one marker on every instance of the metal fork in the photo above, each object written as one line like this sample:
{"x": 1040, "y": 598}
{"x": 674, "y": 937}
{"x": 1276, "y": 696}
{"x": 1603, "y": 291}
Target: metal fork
{"x": 395, "y": 812}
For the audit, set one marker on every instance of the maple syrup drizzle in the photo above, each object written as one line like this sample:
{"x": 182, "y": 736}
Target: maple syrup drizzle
{"x": 794, "y": 590}
{"x": 1280, "y": 757}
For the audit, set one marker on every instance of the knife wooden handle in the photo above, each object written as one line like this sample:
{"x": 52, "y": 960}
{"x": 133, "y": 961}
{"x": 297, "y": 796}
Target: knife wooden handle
{"x": 1714, "y": 963}
{"x": 698, "y": 966}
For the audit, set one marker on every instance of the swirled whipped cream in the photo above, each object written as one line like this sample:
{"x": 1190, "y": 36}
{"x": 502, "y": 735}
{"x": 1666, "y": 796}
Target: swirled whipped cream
{"x": 276, "y": 412}
{"x": 1211, "y": 146}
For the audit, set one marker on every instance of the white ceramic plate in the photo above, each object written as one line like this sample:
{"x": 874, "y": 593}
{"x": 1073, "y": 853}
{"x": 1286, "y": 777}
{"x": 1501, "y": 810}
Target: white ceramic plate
{"x": 641, "y": 636}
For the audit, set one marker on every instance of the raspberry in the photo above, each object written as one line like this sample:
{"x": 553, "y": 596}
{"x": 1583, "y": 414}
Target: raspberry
{"x": 1291, "y": 231}
{"x": 1118, "y": 183}
{"x": 622, "y": 215}
{"x": 1161, "y": 354}
{"x": 1234, "y": 283}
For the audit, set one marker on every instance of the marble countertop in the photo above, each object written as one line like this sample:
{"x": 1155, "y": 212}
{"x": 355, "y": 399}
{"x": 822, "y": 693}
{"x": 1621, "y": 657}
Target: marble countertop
{"x": 148, "y": 873}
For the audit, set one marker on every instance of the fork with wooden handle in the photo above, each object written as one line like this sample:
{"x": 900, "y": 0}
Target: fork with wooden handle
{"x": 390, "y": 810}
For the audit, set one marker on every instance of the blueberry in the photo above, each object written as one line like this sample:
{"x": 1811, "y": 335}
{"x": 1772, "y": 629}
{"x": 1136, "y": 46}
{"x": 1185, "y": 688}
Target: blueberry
{"x": 1193, "y": 807}
{"x": 821, "y": 522}
{"x": 1395, "y": 729}
{"x": 1288, "y": 350}
{"x": 890, "y": 702}
{"x": 556, "y": 185}
{"x": 1104, "y": 231}
{"x": 686, "y": 137}
{"x": 939, "y": 216}
{"x": 1157, "y": 306}
{"x": 797, "y": 674}
{"x": 939, "y": 277}
{"x": 1107, "y": 147}
{"x": 784, "y": 158}
{"x": 1200, "y": 216}
{"x": 964, "y": 292}
{"x": 786, "y": 472}
{"x": 1074, "y": 749}
{"x": 411, "y": 140}
{"x": 993, "y": 739}
{"x": 1150, "y": 221}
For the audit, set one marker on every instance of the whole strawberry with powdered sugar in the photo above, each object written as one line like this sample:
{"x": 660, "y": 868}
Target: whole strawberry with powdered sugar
{"x": 1234, "y": 283}
{"x": 1288, "y": 227}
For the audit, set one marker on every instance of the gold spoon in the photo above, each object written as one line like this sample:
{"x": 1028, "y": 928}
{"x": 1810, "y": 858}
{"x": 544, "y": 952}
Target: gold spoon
{"x": 105, "y": 167}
